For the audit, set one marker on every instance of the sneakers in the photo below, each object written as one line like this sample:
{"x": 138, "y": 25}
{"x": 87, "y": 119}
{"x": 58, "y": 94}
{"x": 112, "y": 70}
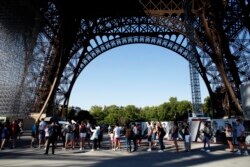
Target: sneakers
{"x": 207, "y": 150}
{"x": 160, "y": 151}
{"x": 245, "y": 153}
{"x": 149, "y": 150}
{"x": 238, "y": 152}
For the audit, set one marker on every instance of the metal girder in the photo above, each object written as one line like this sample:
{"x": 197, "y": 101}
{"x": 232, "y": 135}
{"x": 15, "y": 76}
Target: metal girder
{"x": 162, "y": 8}
{"x": 176, "y": 44}
{"x": 156, "y": 22}
{"x": 19, "y": 26}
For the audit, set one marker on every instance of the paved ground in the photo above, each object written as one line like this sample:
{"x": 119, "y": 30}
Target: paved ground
{"x": 30, "y": 157}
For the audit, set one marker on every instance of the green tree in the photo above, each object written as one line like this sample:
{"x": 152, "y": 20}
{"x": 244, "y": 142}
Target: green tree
{"x": 173, "y": 110}
{"x": 165, "y": 108}
{"x": 131, "y": 113}
{"x": 112, "y": 114}
{"x": 147, "y": 113}
{"x": 110, "y": 119}
{"x": 98, "y": 114}
{"x": 207, "y": 106}
{"x": 183, "y": 108}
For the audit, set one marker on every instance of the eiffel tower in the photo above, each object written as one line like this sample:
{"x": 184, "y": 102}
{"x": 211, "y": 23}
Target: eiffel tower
{"x": 46, "y": 44}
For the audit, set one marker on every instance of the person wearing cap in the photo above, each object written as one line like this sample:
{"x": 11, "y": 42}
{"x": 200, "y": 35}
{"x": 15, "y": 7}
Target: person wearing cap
{"x": 240, "y": 129}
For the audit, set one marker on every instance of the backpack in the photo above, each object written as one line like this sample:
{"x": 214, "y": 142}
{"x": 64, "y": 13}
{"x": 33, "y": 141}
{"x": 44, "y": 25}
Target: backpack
{"x": 129, "y": 132}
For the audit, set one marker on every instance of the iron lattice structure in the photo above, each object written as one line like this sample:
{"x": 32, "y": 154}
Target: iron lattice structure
{"x": 57, "y": 39}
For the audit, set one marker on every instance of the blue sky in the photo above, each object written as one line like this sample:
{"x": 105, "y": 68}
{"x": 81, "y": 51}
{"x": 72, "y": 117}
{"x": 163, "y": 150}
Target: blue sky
{"x": 136, "y": 74}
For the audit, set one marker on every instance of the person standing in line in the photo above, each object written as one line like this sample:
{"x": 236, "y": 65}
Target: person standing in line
{"x": 241, "y": 138}
{"x": 64, "y": 131}
{"x": 117, "y": 137}
{"x": 14, "y": 131}
{"x": 46, "y": 135}
{"x": 69, "y": 137}
{"x": 42, "y": 126}
{"x": 187, "y": 138}
{"x": 234, "y": 126}
{"x": 128, "y": 136}
{"x": 20, "y": 125}
{"x": 154, "y": 135}
{"x": 89, "y": 133}
{"x": 229, "y": 136}
{"x": 134, "y": 129}
{"x": 175, "y": 132}
{"x": 139, "y": 134}
{"x": 95, "y": 131}
{"x": 5, "y": 135}
{"x": 149, "y": 136}
{"x": 34, "y": 134}
{"x": 100, "y": 137}
{"x": 53, "y": 134}
{"x": 161, "y": 133}
{"x": 207, "y": 131}
{"x": 112, "y": 143}
{"x": 83, "y": 133}
{"x": 76, "y": 133}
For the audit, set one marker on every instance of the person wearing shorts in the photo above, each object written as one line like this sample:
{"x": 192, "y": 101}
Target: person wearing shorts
{"x": 149, "y": 136}
{"x": 83, "y": 134}
{"x": 229, "y": 136}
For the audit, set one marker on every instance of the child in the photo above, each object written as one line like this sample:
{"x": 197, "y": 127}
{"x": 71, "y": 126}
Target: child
{"x": 111, "y": 135}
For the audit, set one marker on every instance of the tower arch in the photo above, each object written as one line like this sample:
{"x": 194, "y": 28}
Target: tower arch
{"x": 176, "y": 43}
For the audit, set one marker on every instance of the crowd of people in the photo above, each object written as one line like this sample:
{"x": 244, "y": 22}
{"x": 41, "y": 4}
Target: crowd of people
{"x": 155, "y": 133}
{"x": 71, "y": 134}
{"x": 10, "y": 132}
{"x": 84, "y": 134}
{"x": 239, "y": 133}
{"x": 234, "y": 134}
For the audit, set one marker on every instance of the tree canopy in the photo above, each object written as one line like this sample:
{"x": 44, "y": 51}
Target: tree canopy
{"x": 110, "y": 115}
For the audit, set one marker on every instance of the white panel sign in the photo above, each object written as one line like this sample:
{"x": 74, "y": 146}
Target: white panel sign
{"x": 245, "y": 98}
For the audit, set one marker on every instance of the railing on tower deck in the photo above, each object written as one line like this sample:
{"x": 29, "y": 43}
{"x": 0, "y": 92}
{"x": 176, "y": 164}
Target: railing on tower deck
{"x": 164, "y": 8}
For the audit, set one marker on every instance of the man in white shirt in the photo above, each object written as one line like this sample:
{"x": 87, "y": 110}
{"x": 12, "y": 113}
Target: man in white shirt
{"x": 41, "y": 128}
{"x": 117, "y": 137}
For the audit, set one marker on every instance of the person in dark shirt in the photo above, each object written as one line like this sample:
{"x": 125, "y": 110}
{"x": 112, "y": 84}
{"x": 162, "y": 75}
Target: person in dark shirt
{"x": 52, "y": 137}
